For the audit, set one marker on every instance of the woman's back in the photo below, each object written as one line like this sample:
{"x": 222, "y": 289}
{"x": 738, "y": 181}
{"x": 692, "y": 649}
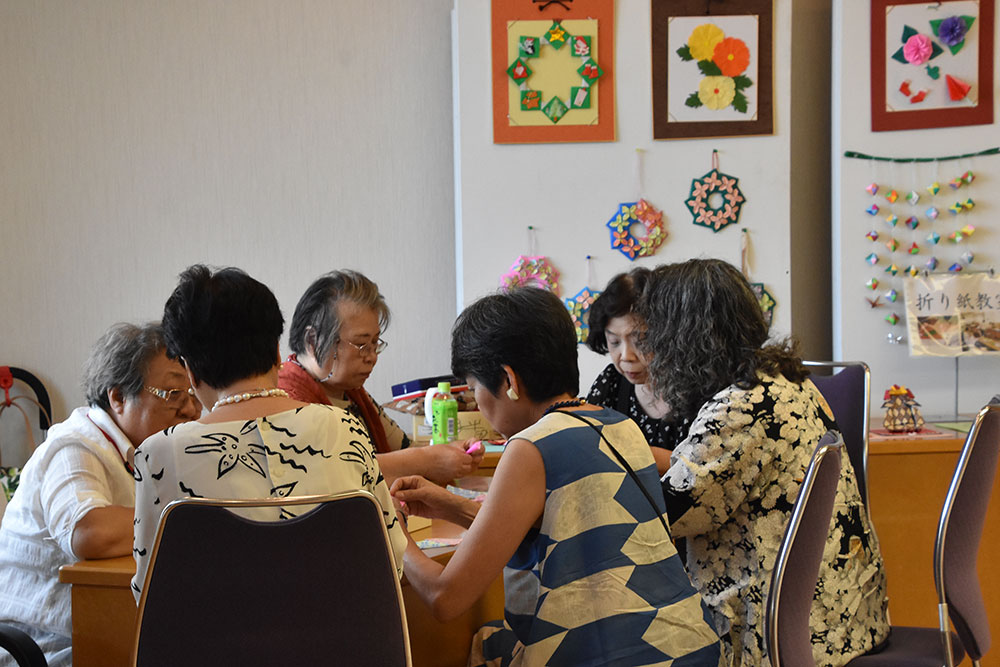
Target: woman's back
{"x": 599, "y": 581}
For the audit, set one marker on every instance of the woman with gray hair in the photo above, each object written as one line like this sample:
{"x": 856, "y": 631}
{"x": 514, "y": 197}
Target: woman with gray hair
{"x": 77, "y": 493}
{"x": 336, "y": 337}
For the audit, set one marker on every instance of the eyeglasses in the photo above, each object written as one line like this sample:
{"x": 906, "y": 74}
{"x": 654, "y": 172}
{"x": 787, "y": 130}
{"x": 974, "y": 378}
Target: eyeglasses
{"x": 174, "y": 398}
{"x": 376, "y": 346}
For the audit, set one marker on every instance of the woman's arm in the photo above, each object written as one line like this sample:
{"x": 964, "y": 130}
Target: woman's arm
{"x": 104, "y": 532}
{"x": 438, "y": 463}
{"x": 514, "y": 503}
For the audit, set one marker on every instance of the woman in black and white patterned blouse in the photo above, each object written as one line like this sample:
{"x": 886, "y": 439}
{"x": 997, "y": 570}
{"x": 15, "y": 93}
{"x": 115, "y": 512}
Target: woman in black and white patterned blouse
{"x": 624, "y": 384}
{"x": 755, "y": 421}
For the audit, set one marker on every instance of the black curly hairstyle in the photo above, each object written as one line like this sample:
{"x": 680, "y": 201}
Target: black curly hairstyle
{"x": 617, "y": 300}
{"x": 225, "y": 325}
{"x": 705, "y": 332}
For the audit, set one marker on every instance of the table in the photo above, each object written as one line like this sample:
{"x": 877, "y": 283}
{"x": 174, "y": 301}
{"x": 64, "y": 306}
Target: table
{"x": 104, "y": 612}
{"x": 908, "y": 480}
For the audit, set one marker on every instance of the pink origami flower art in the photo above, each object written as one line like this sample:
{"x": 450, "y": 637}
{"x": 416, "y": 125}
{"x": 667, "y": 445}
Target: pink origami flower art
{"x": 917, "y": 49}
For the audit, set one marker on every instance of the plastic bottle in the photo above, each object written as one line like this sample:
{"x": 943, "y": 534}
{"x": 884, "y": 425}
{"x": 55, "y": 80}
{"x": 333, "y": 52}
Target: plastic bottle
{"x": 444, "y": 415}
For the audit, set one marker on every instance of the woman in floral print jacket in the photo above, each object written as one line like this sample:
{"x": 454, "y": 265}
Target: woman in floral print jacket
{"x": 755, "y": 421}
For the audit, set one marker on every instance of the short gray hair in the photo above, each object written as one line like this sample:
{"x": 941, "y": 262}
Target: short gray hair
{"x": 316, "y": 309}
{"x": 120, "y": 359}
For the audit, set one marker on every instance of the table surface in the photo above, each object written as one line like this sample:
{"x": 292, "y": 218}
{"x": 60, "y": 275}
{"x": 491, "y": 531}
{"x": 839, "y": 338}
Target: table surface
{"x": 104, "y": 611}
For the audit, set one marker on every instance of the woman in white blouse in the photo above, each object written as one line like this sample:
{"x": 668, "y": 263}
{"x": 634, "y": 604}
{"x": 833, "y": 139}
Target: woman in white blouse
{"x": 255, "y": 441}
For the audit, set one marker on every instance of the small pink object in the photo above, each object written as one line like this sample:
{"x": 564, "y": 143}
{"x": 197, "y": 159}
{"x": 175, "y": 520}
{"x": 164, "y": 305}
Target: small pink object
{"x": 917, "y": 49}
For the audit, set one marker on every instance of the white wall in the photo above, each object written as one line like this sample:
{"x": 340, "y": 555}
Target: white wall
{"x": 288, "y": 138}
{"x": 859, "y": 331}
{"x": 568, "y": 192}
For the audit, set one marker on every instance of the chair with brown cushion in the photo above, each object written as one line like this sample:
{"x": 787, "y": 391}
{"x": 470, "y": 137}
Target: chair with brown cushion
{"x": 320, "y": 588}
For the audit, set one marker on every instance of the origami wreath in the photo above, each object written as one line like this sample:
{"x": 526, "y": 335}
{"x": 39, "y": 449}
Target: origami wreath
{"x": 628, "y": 214}
{"x": 535, "y": 271}
{"x": 556, "y": 37}
{"x": 766, "y": 301}
{"x": 579, "y": 309}
{"x": 728, "y": 211}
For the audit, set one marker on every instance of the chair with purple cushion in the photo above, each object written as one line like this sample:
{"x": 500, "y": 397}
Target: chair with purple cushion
{"x": 848, "y": 392}
{"x": 796, "y": 568}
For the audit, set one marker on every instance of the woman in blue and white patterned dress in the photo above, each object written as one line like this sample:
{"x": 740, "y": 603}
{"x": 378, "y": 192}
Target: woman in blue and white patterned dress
{"x": 591, "y": 576}
{"x": 755, "y": 421}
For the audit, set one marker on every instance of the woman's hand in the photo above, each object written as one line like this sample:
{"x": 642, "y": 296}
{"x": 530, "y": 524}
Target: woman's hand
{"x": 447, "y": 462}
{"x": 419, "y": 497}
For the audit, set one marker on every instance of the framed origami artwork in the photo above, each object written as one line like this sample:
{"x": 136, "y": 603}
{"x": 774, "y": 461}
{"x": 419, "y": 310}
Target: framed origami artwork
{"x": 931, "y": 63}
{"x": 553, "y": 71}
{"x": 712, "y": 68}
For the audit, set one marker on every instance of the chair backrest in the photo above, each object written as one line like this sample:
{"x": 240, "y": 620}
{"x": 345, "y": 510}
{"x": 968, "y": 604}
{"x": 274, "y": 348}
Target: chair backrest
{"x": 961, "y": 528}
{"x": 793, "y": 582}
{"x": 41, "y": 394}
{"x": 320, "y": 588}
{"x": 21, "y": 647}
{"x": 848, "y": 392}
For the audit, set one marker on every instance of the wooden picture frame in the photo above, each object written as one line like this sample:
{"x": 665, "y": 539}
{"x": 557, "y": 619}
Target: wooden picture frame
{"x": 671, "y": 120}
{"x": 887, "y": 93}
{"x": 600, "y": 126}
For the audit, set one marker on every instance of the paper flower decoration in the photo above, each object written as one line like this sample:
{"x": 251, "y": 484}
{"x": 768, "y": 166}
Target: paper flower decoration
{"x": 917, "y": 49}
{"x": 912, "y": 198}
{"x": 872, "y": 189}
{"x": 579, "y": 311}
{"x": 533, "y": 271}
{"x": 728, "y": 210}
{"x": 952, "y": 31}
{"x": 731, "y": 56}
{"x": 530, "y": 46}
{"x": 722, "y": 60}
{"x": 628, "y": 216}
{"x": 766, "y": 301}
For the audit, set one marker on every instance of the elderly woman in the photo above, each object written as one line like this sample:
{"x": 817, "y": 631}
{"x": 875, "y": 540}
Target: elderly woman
{"x": 624, "y": 385}
{"x": 591, "y": 576}
{"x": 336, "y": 337}
{"x": 255, "y": 442}
{"x": 755, "y": 421}
{"x": 76, "y": 493}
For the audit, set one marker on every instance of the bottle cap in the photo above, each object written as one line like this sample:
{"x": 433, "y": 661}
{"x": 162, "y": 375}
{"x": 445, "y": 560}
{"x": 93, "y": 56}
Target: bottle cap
{"x": 444, "y": 387}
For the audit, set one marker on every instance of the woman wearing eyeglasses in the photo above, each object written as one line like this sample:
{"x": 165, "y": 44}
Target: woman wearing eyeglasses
{"x": 336, "y": 339}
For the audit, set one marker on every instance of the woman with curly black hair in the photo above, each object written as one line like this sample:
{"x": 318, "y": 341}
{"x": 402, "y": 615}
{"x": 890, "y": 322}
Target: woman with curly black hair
{"x": 755, "y": 421}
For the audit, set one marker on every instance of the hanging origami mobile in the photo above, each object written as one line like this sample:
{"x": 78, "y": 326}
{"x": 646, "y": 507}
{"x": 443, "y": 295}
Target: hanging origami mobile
{"x": 532, "y": 271}
{"x": 630, "y": 215}
{"x": 579, "y": 310}
{"x": 716, "y": 199}
{"x": 902, "y": 413}
{"x": 520, "y": 73}
{"x": 766, "y": 301}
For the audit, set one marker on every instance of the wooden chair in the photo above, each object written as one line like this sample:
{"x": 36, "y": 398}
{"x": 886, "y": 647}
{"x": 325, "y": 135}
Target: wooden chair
{"x": 320, "y": 588}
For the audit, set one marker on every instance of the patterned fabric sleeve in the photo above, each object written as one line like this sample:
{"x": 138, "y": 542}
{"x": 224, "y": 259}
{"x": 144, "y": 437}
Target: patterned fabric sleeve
{"x": 715, "y": 468}
{"x": 604, "y": 391}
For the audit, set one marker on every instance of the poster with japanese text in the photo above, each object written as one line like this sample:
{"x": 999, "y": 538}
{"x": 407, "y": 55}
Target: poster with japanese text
{"x": 953, "y": 315}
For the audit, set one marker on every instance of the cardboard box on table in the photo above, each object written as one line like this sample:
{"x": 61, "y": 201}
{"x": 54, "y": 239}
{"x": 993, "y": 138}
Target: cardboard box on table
{"x": 471, "y": 426}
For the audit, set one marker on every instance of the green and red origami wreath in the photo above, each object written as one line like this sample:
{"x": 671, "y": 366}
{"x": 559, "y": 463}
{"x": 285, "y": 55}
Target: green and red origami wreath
{"x": 557, "y": 37}
{"x": 727, "y": 210}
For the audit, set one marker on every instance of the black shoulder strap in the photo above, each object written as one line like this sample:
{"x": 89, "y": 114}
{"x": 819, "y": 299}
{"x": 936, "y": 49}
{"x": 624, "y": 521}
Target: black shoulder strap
{"x": 628, "y": 468}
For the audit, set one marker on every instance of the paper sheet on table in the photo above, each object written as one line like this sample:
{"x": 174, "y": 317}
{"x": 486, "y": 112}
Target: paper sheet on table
{"x": 435, "y": 542}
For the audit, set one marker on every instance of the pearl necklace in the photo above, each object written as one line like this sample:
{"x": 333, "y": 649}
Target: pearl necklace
{"x": 246, "y": 396}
